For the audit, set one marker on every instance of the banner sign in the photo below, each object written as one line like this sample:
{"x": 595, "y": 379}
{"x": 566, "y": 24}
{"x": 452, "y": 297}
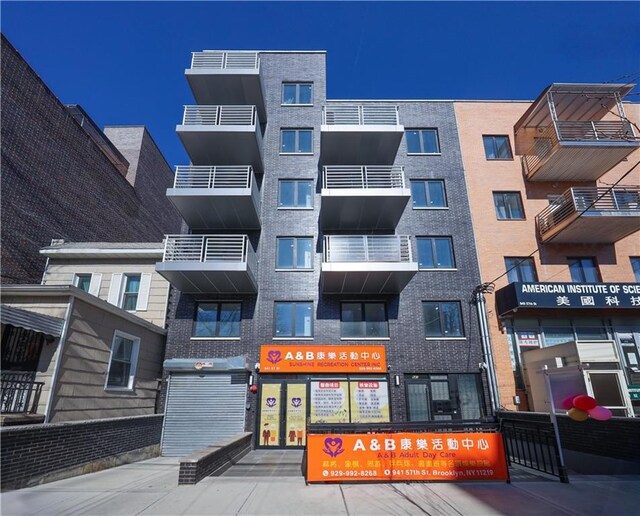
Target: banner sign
{"x": 405, "y": 456}
{"x": 301, "y": 358}
{"x": 568, "y": 295}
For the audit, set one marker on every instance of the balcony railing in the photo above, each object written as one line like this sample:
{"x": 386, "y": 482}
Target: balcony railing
{"x": 367, "y": 248}
{"x": 577, "y": 200}
{"x": 360, "y": 115}
{"x": 225, "y": 60}
{"x": 19, "y": 396}
{"x": 206, "y": 248}
{"x": 362, "y": 177}
{"x": 219, "y": 115}
{"x": 192, "y": 176}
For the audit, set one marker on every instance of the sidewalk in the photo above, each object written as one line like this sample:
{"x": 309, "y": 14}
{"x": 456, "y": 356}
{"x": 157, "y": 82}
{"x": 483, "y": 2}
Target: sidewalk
{"x": 150, "y": 487}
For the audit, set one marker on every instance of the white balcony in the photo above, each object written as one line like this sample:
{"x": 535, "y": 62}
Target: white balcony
{"x": 367, "y": 264}
{"x": 363, "y": 197}
{"x": 225, "y": 197}
{"x": 591, "y": 216}
{"x": 211, "y": 264}
{"x": 219, "y": 77}
{"x": 362, "y": 134}
{"x": 224, "y": 135}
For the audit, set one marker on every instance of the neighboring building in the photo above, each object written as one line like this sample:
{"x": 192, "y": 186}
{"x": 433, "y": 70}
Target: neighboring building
{"x": 532, "y": 169}
{"x": 63, "y": 178}
{"x": 89, "y": 342}
{"x": 339, "y": 232}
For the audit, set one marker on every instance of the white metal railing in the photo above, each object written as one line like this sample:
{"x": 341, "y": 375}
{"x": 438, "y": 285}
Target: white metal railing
{"x": 225, "y": 60}
{"x": 220, "y": 115}
{"x": 367, "y": 248}
{"x": 206, "y": 248}
{"x": 360, "y": 115}
{"x": 203, "y": 176}
{"x": 371, "y": 176}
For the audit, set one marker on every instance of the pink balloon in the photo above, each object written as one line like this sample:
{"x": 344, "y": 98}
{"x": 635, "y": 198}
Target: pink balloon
{"x": 600, "y": 413}
{"x": 567, "y": 403}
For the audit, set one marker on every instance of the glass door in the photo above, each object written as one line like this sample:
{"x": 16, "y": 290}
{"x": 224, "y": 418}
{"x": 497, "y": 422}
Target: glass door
{"x": 283, "y": 414}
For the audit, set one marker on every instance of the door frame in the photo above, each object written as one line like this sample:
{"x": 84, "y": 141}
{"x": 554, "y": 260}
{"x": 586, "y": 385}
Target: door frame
{"x": 282, "y": 417}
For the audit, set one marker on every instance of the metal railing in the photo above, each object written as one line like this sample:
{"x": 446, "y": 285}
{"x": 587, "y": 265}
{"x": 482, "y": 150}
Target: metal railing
{"x": 206, "y": 248}
{"x": 367, "y": 248}
{"x": 576, "y": 200}
{"x": 220, "y": 115}
{"x": 19, "y": 397}
{"x": 203, "y": 176}
{"x": 360, "y": 115}
{"x": 373, "y": 176}
{"x": 225, "y": 60}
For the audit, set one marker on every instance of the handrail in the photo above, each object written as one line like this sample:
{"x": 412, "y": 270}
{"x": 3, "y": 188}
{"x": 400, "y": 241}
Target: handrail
{"x": 19, "y": 397}
{"x": 204, "y": 176}
{"x": 360, "y": 115}
{"x": 367, "y": 248}
{"x": 372, "y": 176}
{"x": 220, "y": 60}
{"x": 219, "y": 115}
{"x": 206, "y": 248}
{"x": 577, "y": 200}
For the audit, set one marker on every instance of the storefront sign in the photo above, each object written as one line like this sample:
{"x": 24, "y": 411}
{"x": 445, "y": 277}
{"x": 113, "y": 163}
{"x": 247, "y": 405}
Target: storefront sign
{"x": 405, "y": 456}
{"x": 294, "y": 358}
{"x": 634, "y": 392}
{"x": 369, "y": 401}
{"x": 568, "y": 295}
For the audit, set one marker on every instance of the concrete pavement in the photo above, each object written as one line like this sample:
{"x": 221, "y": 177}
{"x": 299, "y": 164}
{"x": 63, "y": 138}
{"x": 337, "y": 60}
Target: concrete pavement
{"x": 150, "y": 488}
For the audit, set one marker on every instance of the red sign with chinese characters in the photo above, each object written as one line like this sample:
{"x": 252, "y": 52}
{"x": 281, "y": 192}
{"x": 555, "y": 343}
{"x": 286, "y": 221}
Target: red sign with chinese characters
{"x": 294, "y": 358}
{"x": 405, "y": 456}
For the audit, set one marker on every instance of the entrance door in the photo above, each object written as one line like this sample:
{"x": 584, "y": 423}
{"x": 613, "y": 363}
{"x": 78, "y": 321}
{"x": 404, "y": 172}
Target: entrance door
{"x": 283, "y": 414}
{"x": 443, "y": 397}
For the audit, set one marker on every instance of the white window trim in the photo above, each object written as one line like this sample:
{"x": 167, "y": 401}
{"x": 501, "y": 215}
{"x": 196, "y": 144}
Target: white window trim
{"x": 424, "y": 153}
{"x": 292, "y": 338}
{"x": 123, "y": 286}
{"x": 437, "y": 270}
{"x": 365, "y": 338}
{"x": 76, "y": 277}
{"x": 134, "y": 361}
{"x": 215, "y": 338}
{"x": 445, "y": 338}
{"x": 427, "y": 208}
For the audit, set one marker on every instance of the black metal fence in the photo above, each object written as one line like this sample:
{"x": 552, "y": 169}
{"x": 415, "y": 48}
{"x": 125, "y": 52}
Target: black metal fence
{"x": 20, "y": 397}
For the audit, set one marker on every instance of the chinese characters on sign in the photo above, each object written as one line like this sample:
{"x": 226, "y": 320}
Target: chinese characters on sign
{"x": 369, "y": 401}
{"x": 294, "y": 358}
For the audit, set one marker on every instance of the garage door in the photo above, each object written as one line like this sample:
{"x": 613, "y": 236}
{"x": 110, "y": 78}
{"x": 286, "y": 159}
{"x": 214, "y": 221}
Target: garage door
{"x": 202, "y": 409}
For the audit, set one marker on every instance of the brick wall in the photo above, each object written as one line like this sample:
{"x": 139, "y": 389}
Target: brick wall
{"x": 36, "y": 454}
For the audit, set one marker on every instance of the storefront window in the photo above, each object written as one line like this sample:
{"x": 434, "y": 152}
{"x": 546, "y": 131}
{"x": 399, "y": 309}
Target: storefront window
{"x": 339, "y": 400}
{"x": 443, "y": 397}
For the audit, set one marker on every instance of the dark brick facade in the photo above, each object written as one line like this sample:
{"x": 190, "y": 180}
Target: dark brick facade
{"x": 31, "y": 453}
{"x": 56, "y": 182}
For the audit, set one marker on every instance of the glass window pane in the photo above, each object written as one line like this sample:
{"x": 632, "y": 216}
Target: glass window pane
{"x": 351, "y": 320}
{"x": 285, "y": 253}
{"x": 425, "y": 253}
{"x": 436, "y": 194}
{"x": 417, "y": 401}
{"x": 304, "y": 315}
{"x": 305, "y": 94}
{"x": 119, "y": 374}
{"x": 469, "y": 396}
{"x": 122, "y": 349}
{"x": 376, "y": 320}
{"x": 635, "y": 265}
{"x": 606, "y": 389}
{"x": 305, "y": 141}
{"x": 130, "y": 301}
{"x": 431, "y": 313}
{"x": 444, "y": 253}
{"x": 206, "y": 320}
{"x": 590, "y": 271}
{"x": 418, "y": 194}
{"x": 513, "y": 206}
{"x": 554, "y": 335}
{"x": 287, "y": 193}
{"x": 489, "y": 150}
{"x": 288, "y": 141}
{"x": 305, "y": 194}
{"x": 284, "y": 319}
{"x": 288, "y": 93}
{"x": 575, "y": 268}
{"x": 229, "y": 325}
{"x": 512, "y": 273}
{"x": 451, "y": 321}
{"x": 305, "y": 253}
{"x": 440, "y": 391}
{"x": 430, "y": 141}
{"x": 133, "y": 284}
{"x": 83, "y": 281}
{"x": 503, "y": 149}
{"x": 413, "y": 141}
{"x": 498, "y": 201}
{"x": 528, "y": 271}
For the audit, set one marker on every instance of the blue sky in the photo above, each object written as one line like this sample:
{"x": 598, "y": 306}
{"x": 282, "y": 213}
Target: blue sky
{"x": 124, "y": 61}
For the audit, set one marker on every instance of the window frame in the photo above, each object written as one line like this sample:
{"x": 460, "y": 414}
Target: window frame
{"x": 295, "y": 254}
{"x": 508, "y": 192}
{"x": 123, "y": 291}
{"x": 293, "y": 320}
{"x": 426, "y": 194}
{"x": 364, "y": 320}
{"x": 297, "y": 131}
{"x": 420, "y": 131}
{"x": 573, "y": 259}
{"x": 434, "y": 253}
{"x": 495, "y": 147}
{"x": 443, "y": 336}
{"x": 522, "y": 260}
{"x": 295, "y": 195}
{"x": 133, "y": 363}
{"x": 76, "y": 280}
{"x": 297, "y": 84}
{"x": 635, "y": 267}
{"x": 218, "y": 310}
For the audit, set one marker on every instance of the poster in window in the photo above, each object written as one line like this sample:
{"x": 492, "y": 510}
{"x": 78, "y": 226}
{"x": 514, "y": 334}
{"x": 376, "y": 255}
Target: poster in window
{"x": 330, "y": 401}
{"x": 527, "y": 338}
{"x": 369, "y": 401}
{"x": 270, "y": 414}
{"x": 296, "y": 414}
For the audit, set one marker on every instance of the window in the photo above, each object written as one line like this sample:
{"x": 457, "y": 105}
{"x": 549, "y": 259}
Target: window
{"x": 497, "y": 147}
{"x": 364, "y": 320}
{"x": 440, "y": 397}
{"x": 294, "y": 253}
{"x": 82, "y": 281}
{"x": 217, "y": 320}
{"x": 296, "y": 141}
{"x": 521, "y": 270}
{"x": 435, "y": 253}
{"x": 123, "y": 361}
{"x": 635, "y": 265}
{"x": 422, "y": 141}
{"x": 295, "y": 193}
{"x": 293, "y": 319}
{"x": 130, "y": 293}
{"x": 584, "y": 270}
{"x": 508, "y": 205}
{"x": 299, "y": 93}
{"x": 428, "y": 194}
{"x": 442, "y": 319}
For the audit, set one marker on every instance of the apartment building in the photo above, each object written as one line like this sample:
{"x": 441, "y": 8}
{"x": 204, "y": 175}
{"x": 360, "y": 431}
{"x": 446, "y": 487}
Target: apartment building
{"x": 554, "y": 194}
{"x": 329, "y": 264}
